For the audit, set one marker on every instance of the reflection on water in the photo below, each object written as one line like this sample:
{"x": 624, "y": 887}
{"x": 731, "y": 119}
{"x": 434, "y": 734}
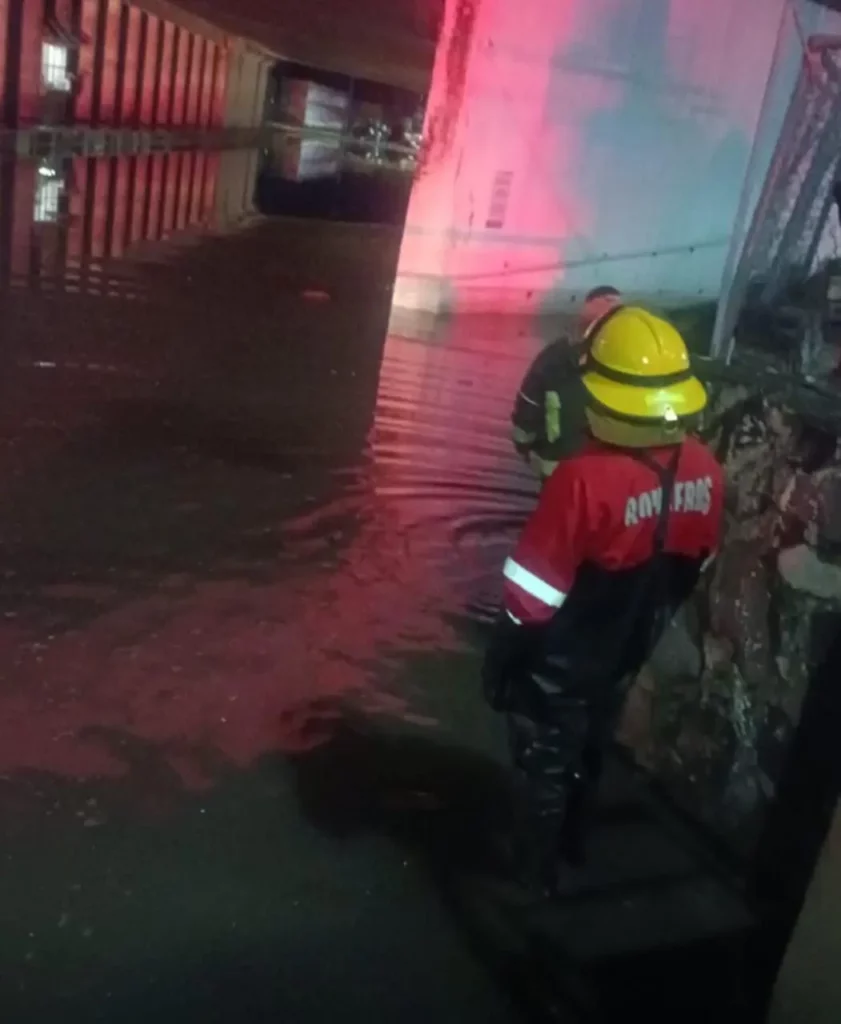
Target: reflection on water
{"x": 63, "y": 220}
{"x": 324, "y": 175}
{"x": 226, "y": 506}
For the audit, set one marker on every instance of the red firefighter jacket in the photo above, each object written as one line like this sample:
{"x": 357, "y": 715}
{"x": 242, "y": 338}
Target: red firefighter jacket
{"x": 603, "y": 562}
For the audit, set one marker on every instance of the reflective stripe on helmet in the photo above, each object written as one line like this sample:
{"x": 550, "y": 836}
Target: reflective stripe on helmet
{"x": 533, "y": 585}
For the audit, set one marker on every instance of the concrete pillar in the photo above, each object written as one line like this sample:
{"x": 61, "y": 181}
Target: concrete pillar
{"x": 110, "y": 63}
{"x": 101, "y": 206}
{"x": 156, "y": 181}
{"x": 233, "y": 87}
{"x": 220, "y": 87}
{"x": 120, "y": 205}
{"x": 808, "y": 989}
{"x": 235, "y": 185}
{"x": 196, "y": 81}
{"x": 149, "y": 72}
{"x": 163, "y": 106}
{"x": 22, "y": 208}
{"x": 196, "y": 187}
{"x": 179, "y": 76}
{"x": 206, "y": 94}
{"x": 172, "y": 164}
{"x": 262, "y": 83}
{"x": 182, "y": 206}
{"x": 141, "y": 179}
{"x": 246, "y": 89}
{"x": 548, "y": 125}
{"x": 30, "y": 100}
{"x": 89, "y": 22}
{"x": 4, "y": 28}
{"x": 211, "y": 173}
{"x": 76, "y": 227}
{"x": 129, "y": 99}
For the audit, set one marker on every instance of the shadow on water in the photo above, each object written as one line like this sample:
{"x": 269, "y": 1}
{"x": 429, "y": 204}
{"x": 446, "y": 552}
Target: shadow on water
{"x": 323, "y": 179}
{"x": 648, "y": 928}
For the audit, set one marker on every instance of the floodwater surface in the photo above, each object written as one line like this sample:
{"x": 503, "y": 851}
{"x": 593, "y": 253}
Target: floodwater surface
{"x": 249, "y": 541}
{"x": 244, "y": 538}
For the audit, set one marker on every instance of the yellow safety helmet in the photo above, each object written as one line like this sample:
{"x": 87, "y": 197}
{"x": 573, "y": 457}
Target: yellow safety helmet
{"x": 639, "y": 381}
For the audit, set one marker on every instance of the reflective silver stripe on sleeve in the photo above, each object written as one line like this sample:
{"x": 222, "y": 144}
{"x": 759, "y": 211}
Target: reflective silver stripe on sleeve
{"x": 526, "y": 398}
{"x": 533, "y": 585}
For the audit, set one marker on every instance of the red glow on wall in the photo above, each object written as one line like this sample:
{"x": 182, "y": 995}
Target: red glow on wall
{"x": 182, "y": 213}
{"x": 480, "y": 132}
{"x": 4, "y": 17}
{"x": 32, "y": 30}
{"x": 23, "y": 205}
{"x": 76, "y": 227}
{"x": 141, "y": 180}
{"x": 182, "y": 42}
{"x": 156, "y": 179}
{"x": 170, "y": 188}
{"x": 87, "y": 51}
{"x": 129, "y": 99}
{"x": 196, "y": 80}
{"x": 220, "y": 88}
{"x": 197, "y": 189}
{"x": 120, "y": 197}
{"x": 150, "y": 73}
{"x": 206, "y": 97}
{"x": 211, "y": 174}
{"x": 165, "y": 79}
{"x": 101, "y": 185}
{"x": 108, "y": 106}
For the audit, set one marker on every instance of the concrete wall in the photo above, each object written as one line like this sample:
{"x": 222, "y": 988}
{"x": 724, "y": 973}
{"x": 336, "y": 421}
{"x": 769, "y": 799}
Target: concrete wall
{"x": 569, "y": 144}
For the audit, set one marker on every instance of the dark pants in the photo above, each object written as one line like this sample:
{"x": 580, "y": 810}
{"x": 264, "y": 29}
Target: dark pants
{"x": 558, "y": 736}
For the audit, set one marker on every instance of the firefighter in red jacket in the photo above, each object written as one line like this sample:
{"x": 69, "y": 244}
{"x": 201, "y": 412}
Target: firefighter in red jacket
{"x": 617, "y": 542}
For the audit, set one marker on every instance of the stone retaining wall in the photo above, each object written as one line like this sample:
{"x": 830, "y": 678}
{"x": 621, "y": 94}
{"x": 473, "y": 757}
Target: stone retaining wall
{"x": 713, "y": 714}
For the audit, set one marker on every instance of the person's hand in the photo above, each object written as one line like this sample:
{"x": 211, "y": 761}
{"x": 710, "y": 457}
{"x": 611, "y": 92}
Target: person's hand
{"x": 505, "y": 661}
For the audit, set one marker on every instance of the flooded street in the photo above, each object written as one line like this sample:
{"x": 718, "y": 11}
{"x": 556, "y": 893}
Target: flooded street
{"x": 247, "y": 544}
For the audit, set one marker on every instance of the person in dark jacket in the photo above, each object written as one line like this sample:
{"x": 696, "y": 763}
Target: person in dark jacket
{"x": 548, "y": 417}
{"x": 617, "y": 542}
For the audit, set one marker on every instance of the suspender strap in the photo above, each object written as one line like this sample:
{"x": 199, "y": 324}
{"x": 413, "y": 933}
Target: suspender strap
{"x": 667, "y": 476}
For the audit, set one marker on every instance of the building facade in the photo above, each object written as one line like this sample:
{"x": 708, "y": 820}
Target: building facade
{"x": 110, "y": 64}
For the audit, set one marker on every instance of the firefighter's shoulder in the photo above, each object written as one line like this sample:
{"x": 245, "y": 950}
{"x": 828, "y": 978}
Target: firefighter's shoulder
{"x": 551, "y": 363}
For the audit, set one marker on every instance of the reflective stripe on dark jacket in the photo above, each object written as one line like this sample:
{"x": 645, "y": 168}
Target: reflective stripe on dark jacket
{"x": 548, "y": 418}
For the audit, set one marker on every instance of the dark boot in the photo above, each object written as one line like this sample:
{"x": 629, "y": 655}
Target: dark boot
{"x": 528, "y": 852}
{"x": 572, "y": 838}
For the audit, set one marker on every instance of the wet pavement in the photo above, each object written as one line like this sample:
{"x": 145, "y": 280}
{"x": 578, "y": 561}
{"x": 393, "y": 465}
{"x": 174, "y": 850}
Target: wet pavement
{"x": 248, "y": 544}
